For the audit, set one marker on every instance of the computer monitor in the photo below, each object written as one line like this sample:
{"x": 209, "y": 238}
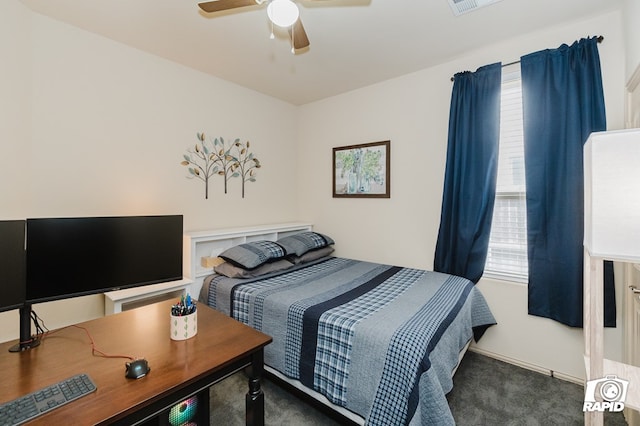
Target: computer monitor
{"x": 70, "y": 257}
{"x": 12, "y": 264}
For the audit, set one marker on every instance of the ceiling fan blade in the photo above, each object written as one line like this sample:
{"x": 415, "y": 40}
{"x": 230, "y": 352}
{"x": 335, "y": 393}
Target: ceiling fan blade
{"x": 299, "y": 35}
{"x": 220, "y": 5}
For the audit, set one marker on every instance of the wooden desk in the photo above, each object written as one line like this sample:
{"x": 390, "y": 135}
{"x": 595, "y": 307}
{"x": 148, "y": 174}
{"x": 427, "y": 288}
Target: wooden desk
{"x": 179, "y": 369}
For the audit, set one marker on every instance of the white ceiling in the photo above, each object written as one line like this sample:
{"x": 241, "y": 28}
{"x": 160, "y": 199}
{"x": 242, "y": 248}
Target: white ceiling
{"x": 354, "y": 43}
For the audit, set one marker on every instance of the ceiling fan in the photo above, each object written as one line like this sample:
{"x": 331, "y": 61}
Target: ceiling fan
{"x": 283, "y": 13}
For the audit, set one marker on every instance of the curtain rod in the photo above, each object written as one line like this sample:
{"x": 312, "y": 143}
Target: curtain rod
{"x": 599, "y": 38}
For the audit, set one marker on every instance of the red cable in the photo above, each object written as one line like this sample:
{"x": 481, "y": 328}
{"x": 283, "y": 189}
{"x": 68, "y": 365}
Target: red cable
{"x": 94, "y": 351}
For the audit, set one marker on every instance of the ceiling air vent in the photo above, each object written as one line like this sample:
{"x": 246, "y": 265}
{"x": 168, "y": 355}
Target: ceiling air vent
{"x": 463, "y": 6}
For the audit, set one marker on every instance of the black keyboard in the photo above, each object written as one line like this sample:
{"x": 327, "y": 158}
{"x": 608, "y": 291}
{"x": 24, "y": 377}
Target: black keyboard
{"x": 46, "y": 399}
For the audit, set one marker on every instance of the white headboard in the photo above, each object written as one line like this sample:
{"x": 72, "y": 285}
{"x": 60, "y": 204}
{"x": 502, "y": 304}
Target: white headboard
{"x": 199, "y": 244}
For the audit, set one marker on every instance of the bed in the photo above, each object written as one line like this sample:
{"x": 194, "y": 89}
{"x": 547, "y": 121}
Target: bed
{"x": 377, "y": 343}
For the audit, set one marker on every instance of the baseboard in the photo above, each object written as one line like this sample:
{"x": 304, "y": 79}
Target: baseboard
{"x": 528, "y": 366}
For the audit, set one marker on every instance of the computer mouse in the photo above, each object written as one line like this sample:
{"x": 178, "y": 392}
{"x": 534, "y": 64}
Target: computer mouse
{"x": 137, "y": 368}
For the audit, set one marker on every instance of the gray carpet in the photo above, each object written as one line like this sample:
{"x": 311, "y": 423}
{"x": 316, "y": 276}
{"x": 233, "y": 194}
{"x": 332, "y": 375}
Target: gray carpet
{"x": 486, "y": 392}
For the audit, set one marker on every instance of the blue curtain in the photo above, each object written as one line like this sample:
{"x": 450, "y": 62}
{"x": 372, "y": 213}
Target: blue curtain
{"x": 563, "y": 103}
{"x": 470, "y": 175}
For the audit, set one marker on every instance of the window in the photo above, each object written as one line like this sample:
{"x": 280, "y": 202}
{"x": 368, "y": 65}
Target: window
{"x": 507, "y": 254}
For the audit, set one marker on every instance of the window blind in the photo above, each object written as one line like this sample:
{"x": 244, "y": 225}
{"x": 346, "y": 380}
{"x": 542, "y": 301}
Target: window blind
{"x": 507, "y": 254}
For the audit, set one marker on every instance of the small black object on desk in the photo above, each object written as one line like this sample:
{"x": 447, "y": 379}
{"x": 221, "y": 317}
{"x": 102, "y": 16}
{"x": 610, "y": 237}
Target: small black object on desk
{"x": 137, "y": 368}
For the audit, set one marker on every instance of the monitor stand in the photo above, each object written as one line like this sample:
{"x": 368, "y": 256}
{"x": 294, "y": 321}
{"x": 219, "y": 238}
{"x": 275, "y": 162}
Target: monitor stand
{"x": 27, "y": 341}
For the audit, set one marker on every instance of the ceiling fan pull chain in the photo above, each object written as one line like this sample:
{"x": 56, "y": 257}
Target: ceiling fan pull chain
{"x": 272, "y": 36}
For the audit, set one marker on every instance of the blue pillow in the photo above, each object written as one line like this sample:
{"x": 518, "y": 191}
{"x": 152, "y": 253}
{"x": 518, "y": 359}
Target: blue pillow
{"x": 251, "y": 255}
{"x": 299, "y": 244}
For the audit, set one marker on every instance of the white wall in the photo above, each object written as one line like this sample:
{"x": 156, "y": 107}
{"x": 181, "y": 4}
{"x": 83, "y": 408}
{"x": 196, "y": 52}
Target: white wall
{"x": 412, "y": 111}
{"x": 15, "y": 101}
{"x": 110, "y": 125}
{"x": 94, "y": 127}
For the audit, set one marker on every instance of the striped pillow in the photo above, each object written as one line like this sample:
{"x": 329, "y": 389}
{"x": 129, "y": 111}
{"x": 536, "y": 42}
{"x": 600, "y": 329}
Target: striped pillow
{"x": 253, "y": 254}
{"x": 299, "y": 244}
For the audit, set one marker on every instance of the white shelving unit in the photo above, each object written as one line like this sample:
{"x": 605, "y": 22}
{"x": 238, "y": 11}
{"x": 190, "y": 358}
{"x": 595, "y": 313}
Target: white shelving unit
{"x": 211, "y": 243}
{"x": 631, "y": 324}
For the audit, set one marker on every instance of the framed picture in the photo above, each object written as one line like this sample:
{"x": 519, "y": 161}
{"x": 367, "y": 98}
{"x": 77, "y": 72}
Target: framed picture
{"x": 362, "y": 171}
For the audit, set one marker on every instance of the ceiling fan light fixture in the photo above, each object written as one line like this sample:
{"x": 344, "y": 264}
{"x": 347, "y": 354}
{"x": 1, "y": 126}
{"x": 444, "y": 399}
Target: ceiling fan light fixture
{"x": 283, "y": 13}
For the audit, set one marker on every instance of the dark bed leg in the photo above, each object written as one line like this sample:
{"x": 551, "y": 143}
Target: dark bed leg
{"x": 255, "y": 396}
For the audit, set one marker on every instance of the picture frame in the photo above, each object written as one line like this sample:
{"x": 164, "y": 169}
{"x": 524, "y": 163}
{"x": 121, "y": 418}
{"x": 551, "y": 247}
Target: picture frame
{"x": 362, "y": 171}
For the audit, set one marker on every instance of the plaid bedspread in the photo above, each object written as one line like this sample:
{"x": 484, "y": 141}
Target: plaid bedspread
{"x": 379, "y": 340}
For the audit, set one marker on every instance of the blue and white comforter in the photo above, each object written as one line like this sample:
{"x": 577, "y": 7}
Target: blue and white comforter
{"x": 379, "y": 340}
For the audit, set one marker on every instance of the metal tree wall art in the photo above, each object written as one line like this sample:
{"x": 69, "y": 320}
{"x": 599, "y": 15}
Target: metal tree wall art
{"x": 246, "y": 164}
{"x": 209, "y": 158}
{"x": 203, "y": 171}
